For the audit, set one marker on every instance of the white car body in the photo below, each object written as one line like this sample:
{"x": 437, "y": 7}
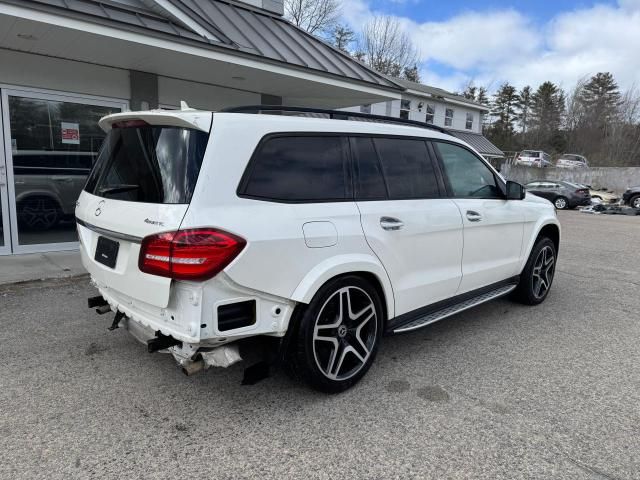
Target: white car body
{"x": 534, "y": 158}
{"x": 292, "y": 249}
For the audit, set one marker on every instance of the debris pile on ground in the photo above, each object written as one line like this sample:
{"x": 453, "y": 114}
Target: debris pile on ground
{"x": 610, "y": 210}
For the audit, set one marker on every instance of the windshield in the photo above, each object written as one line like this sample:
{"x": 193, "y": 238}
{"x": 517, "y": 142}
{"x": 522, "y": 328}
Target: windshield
{"x": 149, "y": 164}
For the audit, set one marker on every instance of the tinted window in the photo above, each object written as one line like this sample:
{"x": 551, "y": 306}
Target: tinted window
{"x": 369, "y": 180}
{"x": 407, "y": 168}
{"x": 467, "y": 174}
{"x": 149, "y": 164}
{"x": 299, "y": 168}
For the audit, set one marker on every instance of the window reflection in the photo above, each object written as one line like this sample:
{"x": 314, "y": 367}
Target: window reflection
{"x": 54, "y": 145}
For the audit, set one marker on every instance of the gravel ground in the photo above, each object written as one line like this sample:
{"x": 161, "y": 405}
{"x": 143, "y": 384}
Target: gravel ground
{"x": 501, "y": 391}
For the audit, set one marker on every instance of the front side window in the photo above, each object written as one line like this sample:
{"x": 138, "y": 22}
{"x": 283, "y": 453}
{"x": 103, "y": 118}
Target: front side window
{"x": 469, "y": 177}
{"x": 431, "y": 113}
{"x": 407, "y": 168}
{"x": 469, "y": 123}
{"x": 298, "y": 169}
{"x": 448, "y": 117}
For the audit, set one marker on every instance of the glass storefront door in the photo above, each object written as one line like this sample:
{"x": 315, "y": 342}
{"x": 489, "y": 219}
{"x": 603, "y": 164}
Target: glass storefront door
{"x": 5, "y": 242}
{"x": 51, "y": 143}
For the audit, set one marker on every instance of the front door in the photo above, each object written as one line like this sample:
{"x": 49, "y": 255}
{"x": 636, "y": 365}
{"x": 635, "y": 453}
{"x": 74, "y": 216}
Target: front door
{"x": 493, "y": 226}
{"x": 416, "y": 234}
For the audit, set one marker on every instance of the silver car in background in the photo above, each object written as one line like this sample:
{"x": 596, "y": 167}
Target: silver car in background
{"x": 572, "y": 160}
{"x": 534, "y": 158}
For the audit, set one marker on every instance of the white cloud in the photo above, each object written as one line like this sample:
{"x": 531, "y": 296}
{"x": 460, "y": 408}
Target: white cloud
{"x": 491, "y": 47}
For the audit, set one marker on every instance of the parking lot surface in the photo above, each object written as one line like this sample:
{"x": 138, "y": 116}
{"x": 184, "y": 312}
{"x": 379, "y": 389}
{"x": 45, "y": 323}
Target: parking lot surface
{"x": 500, "y": 391}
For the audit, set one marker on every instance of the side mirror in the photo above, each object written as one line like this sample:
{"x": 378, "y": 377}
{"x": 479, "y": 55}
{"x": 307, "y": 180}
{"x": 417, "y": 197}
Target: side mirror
{"x": 515, "y": 191}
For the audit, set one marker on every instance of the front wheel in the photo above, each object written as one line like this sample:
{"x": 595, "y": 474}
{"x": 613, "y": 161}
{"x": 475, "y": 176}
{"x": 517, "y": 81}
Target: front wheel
{"x": 561, "y": 203}
{"x": 635, "y": 201}
{"x": 338, "y": 336}
{"x": 538, "y": 273}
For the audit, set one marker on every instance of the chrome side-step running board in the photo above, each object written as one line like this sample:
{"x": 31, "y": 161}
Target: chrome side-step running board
{"x": 452, "y": 309}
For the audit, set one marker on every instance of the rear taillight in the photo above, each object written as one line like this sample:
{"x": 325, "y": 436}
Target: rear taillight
{"x": 196, "y": 254}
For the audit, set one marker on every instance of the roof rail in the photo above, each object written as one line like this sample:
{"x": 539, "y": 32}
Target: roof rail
{"x": 332, "y": 114}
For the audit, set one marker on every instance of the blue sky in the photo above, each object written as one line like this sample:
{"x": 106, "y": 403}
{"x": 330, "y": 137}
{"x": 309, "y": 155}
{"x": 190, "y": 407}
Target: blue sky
{"x": 523, "y": 42}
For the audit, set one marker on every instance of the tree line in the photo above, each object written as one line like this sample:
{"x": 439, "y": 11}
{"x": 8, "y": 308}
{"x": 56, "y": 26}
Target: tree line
{"x": 594, "y": 119}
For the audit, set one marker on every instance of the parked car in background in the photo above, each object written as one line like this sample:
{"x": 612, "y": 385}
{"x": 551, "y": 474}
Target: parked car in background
{"x": 572, "y": 160}
{"x": 534, "y": 158}
{"x": 562, "y": 194}
{"x": 47, "y": 184}
{"x": 603, "y": 195}
{"x": 632, "y": 197}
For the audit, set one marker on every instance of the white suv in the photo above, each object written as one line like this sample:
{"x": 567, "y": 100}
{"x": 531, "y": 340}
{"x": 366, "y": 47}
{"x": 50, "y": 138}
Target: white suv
{"x": 320, "y": 235}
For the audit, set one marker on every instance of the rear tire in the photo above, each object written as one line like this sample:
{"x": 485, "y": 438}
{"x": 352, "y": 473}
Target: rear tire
{"x": 337, "y": 338}
{"x": 561, "y": 203}
{"x": 537, "y": 277}
{"x": 635, "y": 201}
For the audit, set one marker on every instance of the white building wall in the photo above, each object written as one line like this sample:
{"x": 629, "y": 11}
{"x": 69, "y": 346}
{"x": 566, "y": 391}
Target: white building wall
{"x": 201, "y": 95}
{"x": 38, "y": 71}
{"x": 459, "y": 112}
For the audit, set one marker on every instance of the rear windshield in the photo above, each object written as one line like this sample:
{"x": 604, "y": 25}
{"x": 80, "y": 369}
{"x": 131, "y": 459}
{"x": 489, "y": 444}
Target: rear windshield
{"x": 529, "y": 153}
{"x": 148, "y": 163}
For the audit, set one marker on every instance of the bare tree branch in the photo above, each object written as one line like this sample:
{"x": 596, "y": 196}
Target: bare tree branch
{"x": 314, "y": 16}
{"x": 386, "y": 47}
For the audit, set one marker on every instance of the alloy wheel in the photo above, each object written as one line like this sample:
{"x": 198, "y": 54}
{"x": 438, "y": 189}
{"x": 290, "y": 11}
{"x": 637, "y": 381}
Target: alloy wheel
{"x": 561, "y": 203}
{"x": 344, "y": 333}
{"x": 636, "y": 202}
{"x": 543, "y": 270}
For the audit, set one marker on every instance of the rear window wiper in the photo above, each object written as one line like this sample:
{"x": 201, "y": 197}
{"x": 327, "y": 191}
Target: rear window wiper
{"x": 118, "y": 189}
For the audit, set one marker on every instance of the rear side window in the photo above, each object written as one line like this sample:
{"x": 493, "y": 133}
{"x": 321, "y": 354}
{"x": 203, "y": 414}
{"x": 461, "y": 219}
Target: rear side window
{"x": 298, "y": 169}
{"x": 149, "y": 164}
{"x": 407, "y": 168}
{"x": 369, "y": 181}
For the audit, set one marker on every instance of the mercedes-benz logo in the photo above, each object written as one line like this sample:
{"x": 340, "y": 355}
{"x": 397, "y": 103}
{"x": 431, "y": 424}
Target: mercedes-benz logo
{"x": 342, "y": 330}
{"x": 99, "y": 209}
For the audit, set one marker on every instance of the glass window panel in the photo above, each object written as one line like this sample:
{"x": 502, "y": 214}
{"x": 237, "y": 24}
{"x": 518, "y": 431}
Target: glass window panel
{"x": 54, "y": 145}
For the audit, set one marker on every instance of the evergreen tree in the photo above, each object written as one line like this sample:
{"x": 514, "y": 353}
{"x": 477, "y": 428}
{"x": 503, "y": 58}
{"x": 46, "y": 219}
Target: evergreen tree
{"x": 342, "y": 37}
{"x": 547, "y": 110}
{"x": 470, "y": 92}
{"x": 482, "y": 97}
{"x": 600, "y": 99}
{"x": 525, "y": 102}
{"x": 503, "y": 110}
{"x": 411, "y": 73}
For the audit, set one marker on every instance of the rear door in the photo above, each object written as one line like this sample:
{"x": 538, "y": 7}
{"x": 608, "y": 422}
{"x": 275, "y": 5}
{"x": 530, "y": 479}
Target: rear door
{"x": 416, "y": 234}
{"x": 493, "y": 226}
{"x": 142, "y": 184}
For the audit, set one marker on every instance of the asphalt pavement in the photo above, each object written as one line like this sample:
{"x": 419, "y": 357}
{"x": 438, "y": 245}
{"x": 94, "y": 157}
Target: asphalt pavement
{"x": 500, "y": 391}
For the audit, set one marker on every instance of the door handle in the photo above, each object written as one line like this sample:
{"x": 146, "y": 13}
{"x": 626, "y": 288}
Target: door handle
{"x": 390, "y": 223}
{"x": 3, "y": 176}
{"x": 473, "y": 216}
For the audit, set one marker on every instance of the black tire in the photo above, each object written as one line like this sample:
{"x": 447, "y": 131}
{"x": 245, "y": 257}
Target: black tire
{"x": 561, "y": 203}
{"x": 635, "y": 201}
{"x": 322, "y": 341}
{"x": 533, "y": 277}
{"x": 38, "y": 213}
